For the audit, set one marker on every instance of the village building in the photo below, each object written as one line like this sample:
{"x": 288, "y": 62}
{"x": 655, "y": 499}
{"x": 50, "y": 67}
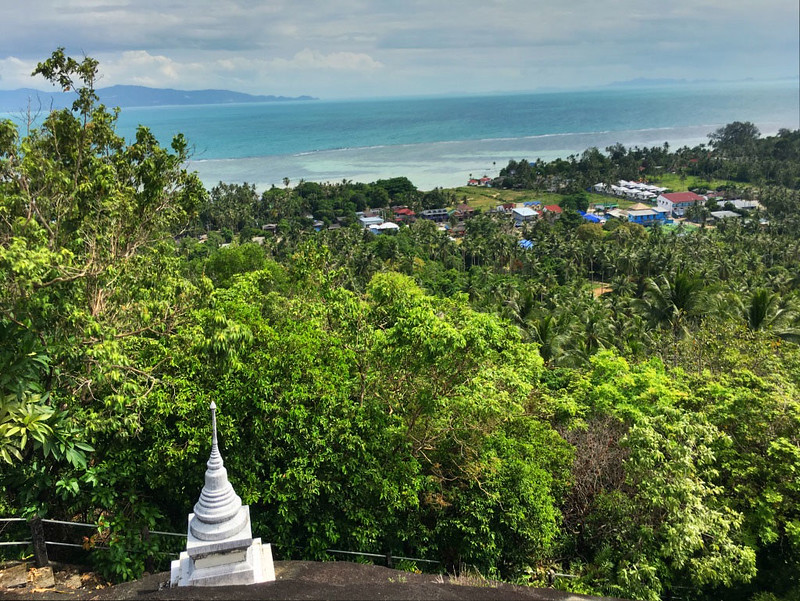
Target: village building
{"x": 677, "y": 203}
{"x": 383, "y": 228}
{"x": 523, "y": 214}
{"x": 403, "y": 214}
{"x": 437, "y": 215}
{"x": 591, "y": 218}
{"x": 720, "y": 215}
{"x": 484, "y": 181}
{"x": 649, "y": 216}
{"x": 463, "y": 212}
{"x": 505, "y": 208}
{"x": 552, "y": 212}
{"x": 369, "y": 221}
{"x": 741, "y": 205}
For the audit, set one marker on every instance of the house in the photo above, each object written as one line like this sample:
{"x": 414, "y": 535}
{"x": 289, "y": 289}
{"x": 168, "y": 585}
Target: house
{"x": 383, "y": 228}
{"x": 437, "y": 215}
{"x": 648, "y": 216}
{"x": 742, "y": 205}
{"x": 551, "y": 212}
{"x": 404, "y": 214}
{"x": 720, "y": 215}
{"x": 367, "y": 221}
{"x": 458, "y": 230}
{"x": 592, "y": 218}
{"x": 485, "y": 181}
{"x": 506, "y": 208}
{"x": 270, "y": 227}
{"x": 604, "y": 207}
{"x": 678, "y": 202}
{"x": 463, "y": 212}
{"x": 523, "y": 214}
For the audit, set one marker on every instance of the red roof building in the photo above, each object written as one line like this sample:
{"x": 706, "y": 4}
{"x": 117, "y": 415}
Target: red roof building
{"x": 677, "y": 202}
{"x": 403, "y": 214}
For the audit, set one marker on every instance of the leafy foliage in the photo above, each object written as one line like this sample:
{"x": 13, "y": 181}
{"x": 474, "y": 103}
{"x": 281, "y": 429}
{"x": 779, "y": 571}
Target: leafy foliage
{"x": 615, "y": 402}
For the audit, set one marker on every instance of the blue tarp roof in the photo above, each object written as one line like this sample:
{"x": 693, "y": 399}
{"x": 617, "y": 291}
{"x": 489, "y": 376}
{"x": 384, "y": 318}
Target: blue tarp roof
{"x": 592, "y": 218}
{"x": 526, "y": 244}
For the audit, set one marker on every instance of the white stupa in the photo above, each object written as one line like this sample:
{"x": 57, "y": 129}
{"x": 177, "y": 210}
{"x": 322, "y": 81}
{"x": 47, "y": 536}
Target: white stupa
{"x": 220, "y": 548}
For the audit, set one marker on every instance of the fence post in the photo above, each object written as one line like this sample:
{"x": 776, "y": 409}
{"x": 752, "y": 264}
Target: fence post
{"x": 39, "y": 547}
{"x": 149, "y": 564}
{"x": 389, "y": 562}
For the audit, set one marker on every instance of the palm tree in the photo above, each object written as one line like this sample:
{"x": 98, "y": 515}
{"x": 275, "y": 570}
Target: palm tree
{"x": 550, "y": 333}
{"x": 675, "y": 302}
{"x": 521, "y": 304}
{"x": 767, "y": 310}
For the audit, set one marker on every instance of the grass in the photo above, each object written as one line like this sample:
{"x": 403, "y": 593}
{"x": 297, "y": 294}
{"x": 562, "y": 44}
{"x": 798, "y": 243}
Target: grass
{"x": 489, "y": 198}
{"x": 471, "y": 577}
{"x": 674, "y": 182}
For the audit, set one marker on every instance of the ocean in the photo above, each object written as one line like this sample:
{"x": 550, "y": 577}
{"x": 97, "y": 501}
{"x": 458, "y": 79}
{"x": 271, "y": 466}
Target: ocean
{"x": 441, "y": 141}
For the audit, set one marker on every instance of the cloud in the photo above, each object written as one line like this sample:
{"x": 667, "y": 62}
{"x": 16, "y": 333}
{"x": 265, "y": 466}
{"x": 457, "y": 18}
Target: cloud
{"x": 350, "y": 47}
{"x": 308, "y": 59}
{"x": 142, "y": 68}
{"x": 16, "y": 73}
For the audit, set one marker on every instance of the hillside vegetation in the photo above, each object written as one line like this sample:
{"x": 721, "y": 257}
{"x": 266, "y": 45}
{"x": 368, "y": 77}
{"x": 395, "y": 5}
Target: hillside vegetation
{"x": 464, "y": 400}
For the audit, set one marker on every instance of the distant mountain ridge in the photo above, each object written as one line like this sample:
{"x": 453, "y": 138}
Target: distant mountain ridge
{"x": 132, "y": 96}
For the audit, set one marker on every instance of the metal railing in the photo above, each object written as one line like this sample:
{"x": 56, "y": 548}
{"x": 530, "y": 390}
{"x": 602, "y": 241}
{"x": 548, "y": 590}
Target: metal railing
{"x": 40, "y": 543}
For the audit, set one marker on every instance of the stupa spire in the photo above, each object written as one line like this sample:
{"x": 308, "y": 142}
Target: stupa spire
{"x": 220, "y": 548}
{"x": 217, "y": 514}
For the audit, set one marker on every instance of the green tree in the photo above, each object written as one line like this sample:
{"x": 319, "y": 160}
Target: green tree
{"x": 676, "y": 302}
{"x": 90, "y": 280}
{"x": 735, "y": 139}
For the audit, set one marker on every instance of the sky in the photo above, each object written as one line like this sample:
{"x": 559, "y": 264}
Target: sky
{"x": 373, "y": 48}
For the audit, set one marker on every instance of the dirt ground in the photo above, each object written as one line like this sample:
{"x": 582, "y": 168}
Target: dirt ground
{"x": 305, "y": 580}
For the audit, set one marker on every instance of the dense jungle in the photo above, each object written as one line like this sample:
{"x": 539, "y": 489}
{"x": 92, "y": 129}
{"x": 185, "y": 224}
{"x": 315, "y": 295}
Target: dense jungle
{"x": 611, "y": 402}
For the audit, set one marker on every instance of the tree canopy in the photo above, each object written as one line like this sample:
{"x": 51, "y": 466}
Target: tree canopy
{"x": 615, "y": 403}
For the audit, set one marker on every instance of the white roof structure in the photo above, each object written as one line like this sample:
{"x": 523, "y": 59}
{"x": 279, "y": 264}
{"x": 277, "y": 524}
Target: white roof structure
{"x": 741, "y": 204}
{"x": 724, "y": 214}
{"x": 524, "y": 212}
{"x": 370, "y": 221}
{"x": 384, "y": 227}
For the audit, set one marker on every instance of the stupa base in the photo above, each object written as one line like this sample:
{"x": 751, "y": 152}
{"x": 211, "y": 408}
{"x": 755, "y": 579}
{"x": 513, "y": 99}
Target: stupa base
{"x": 243, "y": 565}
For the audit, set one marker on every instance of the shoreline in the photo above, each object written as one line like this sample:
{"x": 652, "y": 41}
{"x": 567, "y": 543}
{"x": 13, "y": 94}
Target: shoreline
{"x": 431, "y": 165}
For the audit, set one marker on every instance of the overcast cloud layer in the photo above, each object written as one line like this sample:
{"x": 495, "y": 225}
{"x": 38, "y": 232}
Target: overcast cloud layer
{"x": 366, "y": 48}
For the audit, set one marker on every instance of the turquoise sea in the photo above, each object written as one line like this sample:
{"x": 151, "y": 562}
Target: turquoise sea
{"x": 440, "y": 141}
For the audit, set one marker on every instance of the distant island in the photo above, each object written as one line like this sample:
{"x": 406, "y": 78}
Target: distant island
{"x": 646, "y": 82}
{"x": 133, "y": 96}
